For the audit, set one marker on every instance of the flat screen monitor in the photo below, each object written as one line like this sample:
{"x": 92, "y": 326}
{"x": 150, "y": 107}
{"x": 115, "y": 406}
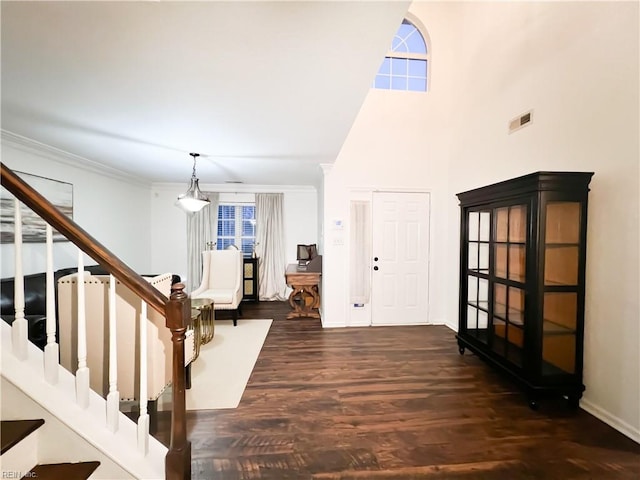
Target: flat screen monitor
{"x": 306, "y": 253}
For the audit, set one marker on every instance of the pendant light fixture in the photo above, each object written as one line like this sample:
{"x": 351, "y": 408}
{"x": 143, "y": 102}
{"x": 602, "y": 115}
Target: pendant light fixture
{"x": 193, "y": 200}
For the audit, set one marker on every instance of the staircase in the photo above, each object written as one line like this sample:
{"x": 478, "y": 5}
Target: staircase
{"x": 67, "y": 432}
{"x": 53, "y": 425}
{"x": 19, "y": 451}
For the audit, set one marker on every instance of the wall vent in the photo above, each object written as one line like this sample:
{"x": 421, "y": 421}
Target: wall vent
{"x": 520, "y": 121}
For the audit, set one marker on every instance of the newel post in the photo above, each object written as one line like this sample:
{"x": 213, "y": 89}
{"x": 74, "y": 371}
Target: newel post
{"x": 178, "y": 459}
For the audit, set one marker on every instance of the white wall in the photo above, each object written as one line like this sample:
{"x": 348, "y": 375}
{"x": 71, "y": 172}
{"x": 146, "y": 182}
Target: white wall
{"x": 399, "y": 142}
{"x": 113, "y": 209}
{"x": 576, "y": 65}
{"x": 301, "y": 220}
{"x": 169, "y": 225}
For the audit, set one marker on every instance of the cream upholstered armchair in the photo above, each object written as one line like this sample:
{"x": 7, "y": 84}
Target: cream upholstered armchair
{"x": 128, "y": 313}
{"x": 222, "y": 280}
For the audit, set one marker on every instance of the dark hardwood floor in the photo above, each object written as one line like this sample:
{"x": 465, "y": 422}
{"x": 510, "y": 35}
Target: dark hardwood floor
{"x": 391, "y": 403}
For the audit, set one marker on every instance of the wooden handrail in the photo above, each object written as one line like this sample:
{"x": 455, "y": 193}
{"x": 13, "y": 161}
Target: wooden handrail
{"x": 79, "y": 237}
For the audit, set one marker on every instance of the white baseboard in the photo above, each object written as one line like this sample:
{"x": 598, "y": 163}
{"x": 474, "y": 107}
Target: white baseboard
{"x": 623, "y": 427}
{"x": 452, "y": 326}
{"x": 359, "y": 324}
{"x": 333, "y": 325}
{"x": 446, "y": 323}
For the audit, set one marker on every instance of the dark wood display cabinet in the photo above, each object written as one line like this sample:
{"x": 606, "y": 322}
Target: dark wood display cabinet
{"x": 250, "y": 279}
{"x": 522, "y": 271}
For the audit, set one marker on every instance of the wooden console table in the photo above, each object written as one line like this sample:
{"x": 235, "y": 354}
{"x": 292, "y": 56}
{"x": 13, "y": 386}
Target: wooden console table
{"x": 305, "y": 297}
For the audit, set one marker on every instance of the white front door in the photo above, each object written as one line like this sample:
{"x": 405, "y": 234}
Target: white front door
{"x": 400, "y": 258}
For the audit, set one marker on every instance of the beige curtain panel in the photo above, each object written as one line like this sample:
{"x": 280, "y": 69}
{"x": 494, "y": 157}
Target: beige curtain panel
{"x": 270, "y": 247}
{"x": 202, "y": 229}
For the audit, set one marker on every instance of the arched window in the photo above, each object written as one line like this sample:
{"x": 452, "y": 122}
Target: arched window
{"x": 405, "y": 66}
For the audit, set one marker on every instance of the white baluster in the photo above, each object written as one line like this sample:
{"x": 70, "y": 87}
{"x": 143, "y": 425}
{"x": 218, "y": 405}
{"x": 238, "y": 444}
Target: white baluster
{"x": 20, "y": 326}
{"x": 113, "y": 398}
{"x": 143, "y": 420}
{"x": 51, "y": 350}
{"x": 82, "y": 374}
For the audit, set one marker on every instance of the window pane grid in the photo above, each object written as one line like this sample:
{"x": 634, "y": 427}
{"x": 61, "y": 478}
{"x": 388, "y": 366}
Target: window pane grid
{"x": 406, "y": 67}
{"x": 237, "y": 226}
{"x": 403, "y": 74}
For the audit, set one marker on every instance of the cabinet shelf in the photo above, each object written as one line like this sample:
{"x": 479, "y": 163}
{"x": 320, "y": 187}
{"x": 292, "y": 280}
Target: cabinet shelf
{"x": 522, "y": 270}
{"x": 551, "y": 328}
{"x": 512, "y": 315}
{"x": 552, "y": 283}
{"x": 484, "y": 271}
{"x": 514, "y": 279}
{"x": 482, "y": 305}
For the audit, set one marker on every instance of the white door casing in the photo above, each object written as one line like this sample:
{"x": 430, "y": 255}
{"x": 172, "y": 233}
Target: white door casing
{"x": 400, "y": 251}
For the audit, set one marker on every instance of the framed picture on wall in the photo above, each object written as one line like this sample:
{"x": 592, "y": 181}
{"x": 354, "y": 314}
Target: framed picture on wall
{"x": 57, "y": 192}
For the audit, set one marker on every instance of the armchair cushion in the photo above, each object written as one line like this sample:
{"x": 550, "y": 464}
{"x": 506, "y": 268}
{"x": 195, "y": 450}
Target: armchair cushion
{"x": 222, "y": 273}
{"x": 218, "y": 296}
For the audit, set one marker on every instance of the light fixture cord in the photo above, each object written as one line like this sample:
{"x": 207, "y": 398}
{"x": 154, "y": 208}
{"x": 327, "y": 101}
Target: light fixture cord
{"x": 195, "y": 156}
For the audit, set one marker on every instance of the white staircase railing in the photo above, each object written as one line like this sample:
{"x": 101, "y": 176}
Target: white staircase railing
{"x": 82, "y": 373}
{"x": 20, "y": 327}
{"x": 51, "y": 349}
{"x": 174, "y": 309}
{"x": 20, "y": 341}
{"x": 20, "y": 337}
{"x": 113, "y": 397}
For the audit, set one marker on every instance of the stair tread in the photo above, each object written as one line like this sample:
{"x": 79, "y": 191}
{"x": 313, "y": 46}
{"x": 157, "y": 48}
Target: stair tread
{"x": 12, "y": 431}
{"x": 68, "y": 471}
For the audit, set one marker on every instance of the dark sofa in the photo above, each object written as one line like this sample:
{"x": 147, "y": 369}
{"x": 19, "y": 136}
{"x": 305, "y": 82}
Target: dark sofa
{"x": 35, "y": 300}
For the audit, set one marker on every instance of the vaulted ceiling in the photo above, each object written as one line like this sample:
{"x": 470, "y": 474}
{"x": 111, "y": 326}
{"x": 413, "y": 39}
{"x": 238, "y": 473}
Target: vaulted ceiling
{"x": 264, "y": 91}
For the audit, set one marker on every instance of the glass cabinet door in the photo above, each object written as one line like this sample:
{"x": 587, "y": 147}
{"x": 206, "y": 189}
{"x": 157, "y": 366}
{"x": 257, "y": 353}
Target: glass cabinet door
{"x": 560, "y": 307}
{"x": 479, "y": 226}
{"x": 478, "y": 233}
{"x": 510, "y": 242}
{"x": 477, "y": 307}
{"x": 509, "y": 269}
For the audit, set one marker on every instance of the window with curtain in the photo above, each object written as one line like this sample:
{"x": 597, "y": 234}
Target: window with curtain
{"x": 237, "y": 226}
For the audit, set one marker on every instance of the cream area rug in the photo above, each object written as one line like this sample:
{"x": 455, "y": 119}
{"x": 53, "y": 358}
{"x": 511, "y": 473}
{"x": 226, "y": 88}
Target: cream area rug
{"x": 221, "y": 372}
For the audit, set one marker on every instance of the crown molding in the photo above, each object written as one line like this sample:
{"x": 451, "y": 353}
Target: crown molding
{"x": 49, "y": 152}
{"x": 326, "y": 168}
{"x": 237, "y": 188}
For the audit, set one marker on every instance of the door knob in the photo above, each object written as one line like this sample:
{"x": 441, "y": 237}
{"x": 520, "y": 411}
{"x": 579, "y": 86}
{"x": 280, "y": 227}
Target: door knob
{"x": 375, "y": 268}
{"x": 375, "y": 259}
